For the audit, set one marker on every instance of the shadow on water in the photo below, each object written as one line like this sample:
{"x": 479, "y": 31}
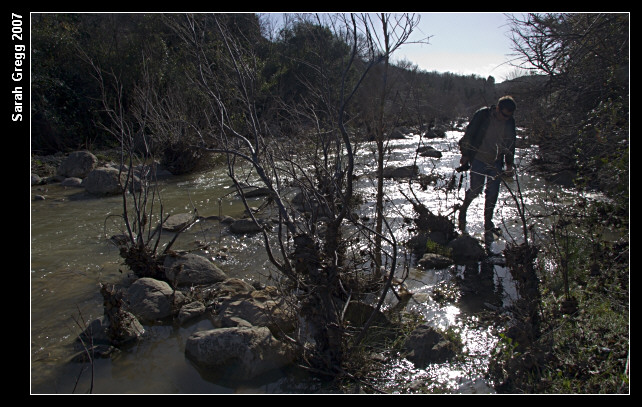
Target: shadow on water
{"x": 70, "y": 254}
{"x": 480, "y": 288}
{"x": 286, "y": 380}
{"x": 464, "y": 302}
{"x": 485, "y": 285}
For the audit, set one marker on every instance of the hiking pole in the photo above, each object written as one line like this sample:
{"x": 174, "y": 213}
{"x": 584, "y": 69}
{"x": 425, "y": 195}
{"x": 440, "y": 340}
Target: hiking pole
{"x": 453, "y": 179}
{"x": 462, "y": 169}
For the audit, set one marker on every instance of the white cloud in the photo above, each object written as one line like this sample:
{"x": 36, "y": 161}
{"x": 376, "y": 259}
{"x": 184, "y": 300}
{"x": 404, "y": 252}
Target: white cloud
{"x": 481, "y": 64}
{"x": 461, "y": 43}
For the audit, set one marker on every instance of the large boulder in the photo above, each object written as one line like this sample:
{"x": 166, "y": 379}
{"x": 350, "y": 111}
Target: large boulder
{"x": 102, "y": 332}
{"x": 191, "y": 269}
{"x": 35, "y": 179}
{"x": 191, "y": 311}
{"x": 258, "y": 308}
{"x": 228, "y": 289}
{"x": 425, "y": 345}
{"x": 436, "y": 132}
{"x": 358, "y": 313}
{"x": 407, "y": 171}
{"x": 71, "y": 182}
{"x": 243, "y": 226}
{"x": 108, "y": 181}
{"x": 429, "y": 151}
{"x": 152, "y": 300}
{"x": 237, "y": 353}
{"x": 253, "y": 192}
{"x": 466, "y": 249}
{"x": 177, "y": 221}
{"x": 434, "y": 261}
{"x": 78, "y": 164}
{"x": 399, "y": 133}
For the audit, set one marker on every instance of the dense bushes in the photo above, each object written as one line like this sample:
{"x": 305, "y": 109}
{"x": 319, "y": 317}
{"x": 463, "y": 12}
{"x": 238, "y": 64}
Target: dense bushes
{"x": 579, "y": 115}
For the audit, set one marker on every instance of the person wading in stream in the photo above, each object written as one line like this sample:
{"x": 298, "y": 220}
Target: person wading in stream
{"x": 488, "y": 144}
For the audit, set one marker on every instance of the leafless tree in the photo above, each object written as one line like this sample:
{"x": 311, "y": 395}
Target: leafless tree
{"x": 316, "y": 163}
{"x": 585, "y": 58}
{"x": 305, "y": 160}
{"x": 143, "y": 213}
{"x": 384, "y": 33}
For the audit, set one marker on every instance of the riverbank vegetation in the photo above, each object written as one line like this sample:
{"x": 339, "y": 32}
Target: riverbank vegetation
{"x": 289, "y": 105}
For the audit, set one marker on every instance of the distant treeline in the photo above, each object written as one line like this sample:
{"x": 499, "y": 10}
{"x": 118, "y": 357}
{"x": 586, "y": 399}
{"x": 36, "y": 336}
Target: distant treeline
{"x": 66, "y": 104}
{"x": 574, "y": 100}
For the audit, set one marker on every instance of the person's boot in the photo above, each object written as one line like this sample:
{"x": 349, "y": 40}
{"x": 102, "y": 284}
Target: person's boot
{"x": 462, "y": 211}
{"x": 462, "y": 218}
{"x": 489, "y": 209}
{"x": 489, "y": 227}
{"x": 489, "y": 234}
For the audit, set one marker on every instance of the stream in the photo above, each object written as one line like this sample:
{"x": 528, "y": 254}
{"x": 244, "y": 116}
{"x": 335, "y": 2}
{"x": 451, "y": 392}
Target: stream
{"x": 71, "y": 255}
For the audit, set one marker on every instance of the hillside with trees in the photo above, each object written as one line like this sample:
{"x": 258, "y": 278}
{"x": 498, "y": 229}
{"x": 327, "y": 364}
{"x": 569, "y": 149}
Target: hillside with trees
{"x": 66, "y": 108}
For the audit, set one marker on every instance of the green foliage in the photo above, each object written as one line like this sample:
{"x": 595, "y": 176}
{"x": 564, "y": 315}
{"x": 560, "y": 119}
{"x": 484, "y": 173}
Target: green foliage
{"x": 591, "y": 346}
{"x": 436, "y": 248}
{"x": 584, "y": 286}
{"x": 506, "y": 347}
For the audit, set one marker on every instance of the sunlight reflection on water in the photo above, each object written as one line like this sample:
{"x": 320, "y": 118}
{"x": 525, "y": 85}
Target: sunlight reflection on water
{"x": 70, "y": 255}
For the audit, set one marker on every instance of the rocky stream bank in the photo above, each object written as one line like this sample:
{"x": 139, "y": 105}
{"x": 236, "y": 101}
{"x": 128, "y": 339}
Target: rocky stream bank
{"x": 254, "y": 325}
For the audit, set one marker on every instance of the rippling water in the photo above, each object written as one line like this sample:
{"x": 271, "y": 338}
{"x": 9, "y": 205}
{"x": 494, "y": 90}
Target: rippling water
{"x": 70, "y": 255}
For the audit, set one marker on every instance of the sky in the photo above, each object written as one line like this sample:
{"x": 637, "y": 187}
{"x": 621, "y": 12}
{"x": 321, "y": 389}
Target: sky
{"x": 462, "y": 43}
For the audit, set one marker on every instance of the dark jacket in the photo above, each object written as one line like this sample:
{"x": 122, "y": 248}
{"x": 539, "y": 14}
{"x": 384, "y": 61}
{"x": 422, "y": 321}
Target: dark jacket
{"x": 476, "y": 130}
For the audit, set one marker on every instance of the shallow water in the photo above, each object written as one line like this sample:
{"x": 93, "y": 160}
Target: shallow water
{"x": 71, "y": 255}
